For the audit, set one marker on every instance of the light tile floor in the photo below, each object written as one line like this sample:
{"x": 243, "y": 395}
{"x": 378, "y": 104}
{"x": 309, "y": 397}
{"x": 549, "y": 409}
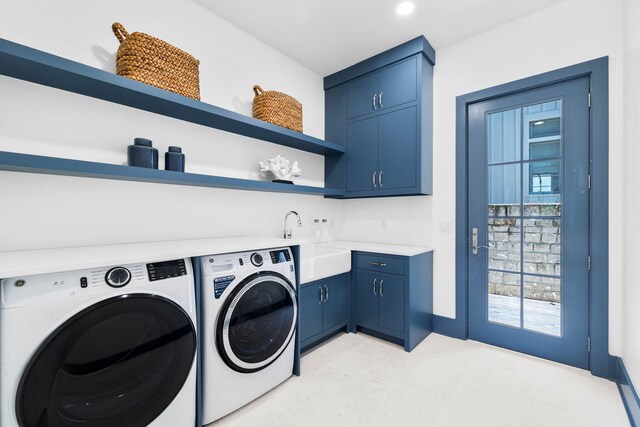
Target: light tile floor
{"x": 358, "y": 380}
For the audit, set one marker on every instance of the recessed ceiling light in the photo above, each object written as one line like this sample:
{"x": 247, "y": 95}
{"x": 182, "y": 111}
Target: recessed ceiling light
{"x": 405, "y": 8}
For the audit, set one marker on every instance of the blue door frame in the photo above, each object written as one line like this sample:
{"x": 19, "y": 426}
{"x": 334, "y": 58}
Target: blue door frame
{"x": 600, "y": 362}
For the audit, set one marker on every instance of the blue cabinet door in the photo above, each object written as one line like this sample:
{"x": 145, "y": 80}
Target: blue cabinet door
{"x": 391, "y": 302}
{"x": 398, "y": 149}
{"x": 362, "y": 155}
{"x": 310, "y": 312}
{"x": 366, "y": 299}
{"x": 398, "y": 84}
{"x": 360, "y": 93}
{"x": 336, "y": 306}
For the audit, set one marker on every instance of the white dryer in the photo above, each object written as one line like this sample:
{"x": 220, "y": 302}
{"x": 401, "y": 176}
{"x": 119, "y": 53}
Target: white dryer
{"x": 248, "y": 327}
{"x": 111, "y": 346}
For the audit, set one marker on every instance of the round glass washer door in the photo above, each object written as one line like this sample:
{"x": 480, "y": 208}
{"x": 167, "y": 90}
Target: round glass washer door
{"x": 257, "y": 322}
{"x": 119, "y": 362}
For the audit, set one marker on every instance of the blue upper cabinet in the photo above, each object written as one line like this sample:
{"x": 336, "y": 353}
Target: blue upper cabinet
{"x": 381, "y": 111}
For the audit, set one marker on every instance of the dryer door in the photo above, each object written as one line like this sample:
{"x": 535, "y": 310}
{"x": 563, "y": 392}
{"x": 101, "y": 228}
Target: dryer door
{"x": 257, "y": 322}
{"x": 119, "y": 362}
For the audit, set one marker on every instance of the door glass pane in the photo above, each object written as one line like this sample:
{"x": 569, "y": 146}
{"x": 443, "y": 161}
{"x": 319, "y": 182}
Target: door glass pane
{"x": 505, "y": 244}
{"x": 503, "y": 136}
{"x": 524, "y": 207}
{"x": 504, "y": 298}
{"x": 542, "y": 304}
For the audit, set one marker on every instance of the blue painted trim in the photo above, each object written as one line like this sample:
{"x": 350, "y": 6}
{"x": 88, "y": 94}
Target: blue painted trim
{"x": 597, "y": 71}
{"x": 323, "y": 336}
{"x": 195, "y": 262}
{"x": 627, "y": 393}
{"x": 18, "y": 162}
{"x": 25, "y": 63}
{"x": 295, "y": 251}
{"x": 418, "y": 45}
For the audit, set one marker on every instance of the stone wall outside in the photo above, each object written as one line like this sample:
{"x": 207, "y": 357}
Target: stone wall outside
{"x": 541, "y": 251}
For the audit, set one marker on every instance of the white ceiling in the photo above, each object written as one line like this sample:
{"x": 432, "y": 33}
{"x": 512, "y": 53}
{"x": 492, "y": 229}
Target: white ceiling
{"x": 329, "y": 35}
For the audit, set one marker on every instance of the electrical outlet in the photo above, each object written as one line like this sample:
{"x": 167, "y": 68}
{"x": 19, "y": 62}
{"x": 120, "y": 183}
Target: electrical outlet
{"x": 384, "y": 224}
{"x": 446, "y": 226}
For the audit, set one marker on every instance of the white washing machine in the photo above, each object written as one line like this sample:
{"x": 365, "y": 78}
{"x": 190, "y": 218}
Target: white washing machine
{"x": 248, "y": 327}
{"x": 113, "y": 346}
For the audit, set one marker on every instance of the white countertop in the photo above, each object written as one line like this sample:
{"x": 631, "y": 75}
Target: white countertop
{"x": 22, "y": 263}
{"x": 381, "y": 248}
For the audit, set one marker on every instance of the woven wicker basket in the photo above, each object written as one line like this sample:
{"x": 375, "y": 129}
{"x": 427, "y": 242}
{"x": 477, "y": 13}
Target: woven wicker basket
{"x": 155, "y": 62}
{"x": 277, "y": 108}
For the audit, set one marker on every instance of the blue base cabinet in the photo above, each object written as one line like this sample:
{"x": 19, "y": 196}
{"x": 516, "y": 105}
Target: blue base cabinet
{"x": 324, "y": 309}
{"x": 380, "y": 110}
{"x": 393, "y": 296}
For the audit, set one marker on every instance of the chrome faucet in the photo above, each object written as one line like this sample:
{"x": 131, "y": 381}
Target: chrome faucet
{"x": 288, "y": 233}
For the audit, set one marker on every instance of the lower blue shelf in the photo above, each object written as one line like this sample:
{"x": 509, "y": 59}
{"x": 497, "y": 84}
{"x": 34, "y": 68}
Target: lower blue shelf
{"x": 19, "y": 162}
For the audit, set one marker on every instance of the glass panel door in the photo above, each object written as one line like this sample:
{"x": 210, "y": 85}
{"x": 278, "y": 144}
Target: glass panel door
{"x": 528, "y": 168}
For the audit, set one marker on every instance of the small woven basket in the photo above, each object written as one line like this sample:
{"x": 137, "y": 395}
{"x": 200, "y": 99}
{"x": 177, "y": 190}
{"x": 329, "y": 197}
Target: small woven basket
{"x": 277, "y": 108}
{"x": 155, "y": 62}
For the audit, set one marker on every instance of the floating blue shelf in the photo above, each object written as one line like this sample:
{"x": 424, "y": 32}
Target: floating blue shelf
{"x": 25, "y": 63}
{"x": 18, "y": 162}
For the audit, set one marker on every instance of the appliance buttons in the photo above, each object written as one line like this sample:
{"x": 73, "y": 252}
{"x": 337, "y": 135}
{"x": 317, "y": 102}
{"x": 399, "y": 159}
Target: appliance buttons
{"x": 83, "y": 282}
{"x": 256, "y": 259}
{"x": 240, "y": 261}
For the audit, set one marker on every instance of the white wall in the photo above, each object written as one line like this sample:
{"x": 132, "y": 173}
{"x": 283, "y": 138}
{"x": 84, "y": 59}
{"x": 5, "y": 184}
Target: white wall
{"x": 568, "y": 33}
{"x": 631, "y": 289}
{"x": 48, "y": 211}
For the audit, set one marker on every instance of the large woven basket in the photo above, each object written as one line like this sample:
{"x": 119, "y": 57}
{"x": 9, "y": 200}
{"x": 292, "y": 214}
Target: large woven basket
{"x": 155, "y": 62}
{"x": 277, "y": 108}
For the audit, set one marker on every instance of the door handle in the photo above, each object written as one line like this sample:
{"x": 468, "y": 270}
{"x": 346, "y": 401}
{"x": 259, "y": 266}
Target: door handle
{"x": 380, "y": 99}
{"x": 373, "y": 179}
{"x": 326, "y": 293}
{"x": 381, "y": 291}
{"x": 320, "y": 289}
{"x": 374, "y": 101}
{"x": 374, "y": 286}
{"x": 380, "y": 179}
{"x": 474, "y": 242}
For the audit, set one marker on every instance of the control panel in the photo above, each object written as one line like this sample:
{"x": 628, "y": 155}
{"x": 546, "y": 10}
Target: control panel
{"x": 240, "y": 261}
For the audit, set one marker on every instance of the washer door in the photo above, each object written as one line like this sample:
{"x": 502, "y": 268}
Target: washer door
{"x": 257, "y": 322}
{"x": 119, "y": 362}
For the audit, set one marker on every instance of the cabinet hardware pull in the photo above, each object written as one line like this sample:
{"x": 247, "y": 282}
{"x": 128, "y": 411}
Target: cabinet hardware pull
{"x": 326, "y": 293}
{"x": 378, "y": 264}
{"x": 320, "y": 289}
{"x": 380, "y": 179}
{"x": 380, "y": 99}
{"x": 374, "y": 101}
{"x": 381, "y": 292}
{"x": 374, "y": 286}
{"x": 373, "y": 179}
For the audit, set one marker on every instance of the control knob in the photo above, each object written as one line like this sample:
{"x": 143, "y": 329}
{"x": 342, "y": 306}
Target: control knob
{"x": 117, "y": 277}
{"x": 256, "y": 259}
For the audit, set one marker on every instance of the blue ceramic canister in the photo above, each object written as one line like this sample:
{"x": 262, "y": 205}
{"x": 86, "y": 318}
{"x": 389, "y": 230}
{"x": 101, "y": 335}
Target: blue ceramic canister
{"x": 142, "y": 154}
{"x": 174, "y": 159}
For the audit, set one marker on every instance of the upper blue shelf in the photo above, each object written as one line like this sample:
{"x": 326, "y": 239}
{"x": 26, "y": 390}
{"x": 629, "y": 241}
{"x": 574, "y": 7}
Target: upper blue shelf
{"x": 25, "y": 63}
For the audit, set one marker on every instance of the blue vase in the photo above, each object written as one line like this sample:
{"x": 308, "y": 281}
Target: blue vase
{"x": 174, "y": 159}
{"x": 141, "y": 154}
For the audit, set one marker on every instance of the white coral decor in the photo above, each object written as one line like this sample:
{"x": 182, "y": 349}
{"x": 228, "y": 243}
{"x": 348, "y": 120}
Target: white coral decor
{"x": 281, "y": 168}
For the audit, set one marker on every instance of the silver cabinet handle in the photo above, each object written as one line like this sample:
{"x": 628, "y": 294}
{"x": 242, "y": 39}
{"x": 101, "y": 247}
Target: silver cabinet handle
{"x": 378, "y": 264}
{"x": 374, "y": 101}
{"x": 474, "y": 242}
{"x": 381, "y": 292}
{"x": 374, "y": 286}
{"x": 380, "y": 99}
{"x": 380, "y": 179}
{"x": 320, "y": 289}
{"x": 373, "y": 179}
{"x": 326, "y": 293}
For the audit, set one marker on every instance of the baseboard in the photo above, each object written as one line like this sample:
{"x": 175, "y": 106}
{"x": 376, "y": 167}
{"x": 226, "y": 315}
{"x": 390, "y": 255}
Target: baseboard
{"x": 454, "y": 328}
{"x": 628, "y": 394}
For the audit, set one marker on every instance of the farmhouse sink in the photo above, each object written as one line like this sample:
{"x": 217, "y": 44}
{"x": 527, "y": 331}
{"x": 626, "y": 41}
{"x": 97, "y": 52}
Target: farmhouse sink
{"x": 320, "y": 261}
